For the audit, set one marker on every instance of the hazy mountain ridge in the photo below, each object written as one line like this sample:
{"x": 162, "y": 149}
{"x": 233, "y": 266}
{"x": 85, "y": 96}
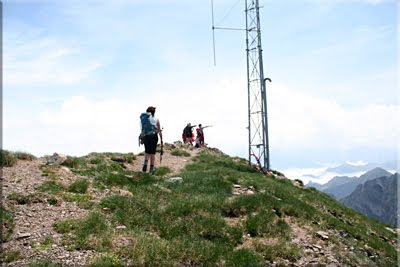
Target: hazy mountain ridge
{"x": 342, "y": 186}
{"x": 349, "y": 168}
{"x": 377, "y": 199}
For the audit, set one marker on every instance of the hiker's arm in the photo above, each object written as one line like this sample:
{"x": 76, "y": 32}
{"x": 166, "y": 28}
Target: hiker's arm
{"x": 160, "y": 130}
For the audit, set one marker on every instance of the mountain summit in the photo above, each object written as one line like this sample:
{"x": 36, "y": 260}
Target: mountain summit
{"x": 201, "y": 208}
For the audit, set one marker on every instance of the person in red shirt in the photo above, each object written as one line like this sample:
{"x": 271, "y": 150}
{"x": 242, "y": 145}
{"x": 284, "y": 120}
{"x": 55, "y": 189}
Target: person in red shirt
{"x": 200, "y": 135}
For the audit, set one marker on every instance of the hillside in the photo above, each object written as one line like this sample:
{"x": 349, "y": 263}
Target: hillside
{"x": 376, "y": 199}
{"x": 201, "y": 208}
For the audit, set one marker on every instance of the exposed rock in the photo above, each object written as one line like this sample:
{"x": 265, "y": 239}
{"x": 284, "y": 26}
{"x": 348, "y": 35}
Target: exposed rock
{"x": 376, "y": 199}
{"x": 56, "y": 159}
{"x": 118, "y": 159}
{"x": 323, "y": 235}
{"x": 23, "y": 235}
{"x": 120, "y": 227}
{"x": 175, "y": 180}
{"x": 65, "y": 169}
{"x": 369, "y": 250}
{"x": 124, "y": 192}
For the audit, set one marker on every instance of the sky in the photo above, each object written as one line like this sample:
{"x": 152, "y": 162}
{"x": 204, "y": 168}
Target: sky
{"x": 77, "y": 75}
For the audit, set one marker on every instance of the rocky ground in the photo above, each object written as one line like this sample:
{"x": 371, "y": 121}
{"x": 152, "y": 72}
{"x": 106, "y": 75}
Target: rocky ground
{"x": 34, "y": 237}
{"x": 33, "y": 221}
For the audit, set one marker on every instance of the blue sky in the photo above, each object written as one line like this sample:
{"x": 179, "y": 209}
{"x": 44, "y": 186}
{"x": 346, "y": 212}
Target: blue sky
{"x": 77, "y": 74}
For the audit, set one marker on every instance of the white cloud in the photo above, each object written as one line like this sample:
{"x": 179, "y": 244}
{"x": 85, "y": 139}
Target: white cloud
{"x": 31, "y": 58}
{"x": 298, "y": 122}
{"x": 303, "y": 121}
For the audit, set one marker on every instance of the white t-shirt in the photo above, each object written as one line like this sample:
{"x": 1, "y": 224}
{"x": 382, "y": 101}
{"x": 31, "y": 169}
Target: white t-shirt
{"x": 153, "y": 121}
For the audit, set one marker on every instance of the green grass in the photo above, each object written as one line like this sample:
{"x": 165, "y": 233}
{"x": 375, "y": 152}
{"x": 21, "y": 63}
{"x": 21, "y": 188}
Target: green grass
{"x": 53, "y": 201}
{"x": 43, "y": 263}
{"x": 107, "y": 261}
{"x": 79, "y": 186}
{"x": 45, "y": 245}
{"x": 162, "y": 171}
{"x": 90, "y": 232}
{"x": 7, "y": 158}
{"x": 10, "y": 256}
{"x": 281, "y": 250}
{"x": 65, "y": 226}
{"x": 172, "y": 224}
{"x": 51, "y": 187}
{"x": 75, "y": 162}
{"x": 245, "y": 258}
{"x": 179, "y": 153}
{"x": 7, "y": 224}
{"x": 19, "y": 198}
{"x": 49, "y": 171}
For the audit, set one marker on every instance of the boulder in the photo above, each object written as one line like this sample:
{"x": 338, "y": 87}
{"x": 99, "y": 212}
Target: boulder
{"x": 56, "y": 159}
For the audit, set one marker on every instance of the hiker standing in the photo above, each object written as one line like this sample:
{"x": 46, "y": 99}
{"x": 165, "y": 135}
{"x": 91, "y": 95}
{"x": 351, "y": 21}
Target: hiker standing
{"x": 200, "y": 135}
{"x": 149, "y": 134}
{"x": 187, "y": 135}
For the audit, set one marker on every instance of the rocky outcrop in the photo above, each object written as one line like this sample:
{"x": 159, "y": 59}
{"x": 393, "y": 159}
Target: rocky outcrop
{"x": 376, "y": 199}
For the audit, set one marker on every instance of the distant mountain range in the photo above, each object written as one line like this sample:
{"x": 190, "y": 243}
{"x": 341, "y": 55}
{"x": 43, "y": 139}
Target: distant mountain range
{"x": 350, "y": 168}
{"x": 377, "y": 199}
{"x": 341, "y": 187}
{"x": 323, "y": 174}
{"x": 373, "y": 193}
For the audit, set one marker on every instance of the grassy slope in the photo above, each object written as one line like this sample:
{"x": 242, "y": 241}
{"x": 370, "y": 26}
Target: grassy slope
{"x": 200, "y": 221}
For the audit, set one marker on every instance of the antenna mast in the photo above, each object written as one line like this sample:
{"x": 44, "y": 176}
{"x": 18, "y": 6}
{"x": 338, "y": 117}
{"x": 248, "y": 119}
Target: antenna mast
{"x": 256, "y": 86}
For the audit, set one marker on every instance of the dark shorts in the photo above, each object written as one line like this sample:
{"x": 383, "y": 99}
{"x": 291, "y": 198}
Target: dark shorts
{"x": 150, "y": 143}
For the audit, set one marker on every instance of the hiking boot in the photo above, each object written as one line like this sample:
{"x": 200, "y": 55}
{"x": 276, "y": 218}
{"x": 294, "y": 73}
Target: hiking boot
{"x": 152, "y": 170}
{"x": 144, "y": 169}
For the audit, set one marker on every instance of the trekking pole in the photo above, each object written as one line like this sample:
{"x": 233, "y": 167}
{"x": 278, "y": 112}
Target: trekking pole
{"x": 162, "y": 146}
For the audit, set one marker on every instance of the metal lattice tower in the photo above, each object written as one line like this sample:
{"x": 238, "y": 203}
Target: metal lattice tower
{"x": 257, "y": 98}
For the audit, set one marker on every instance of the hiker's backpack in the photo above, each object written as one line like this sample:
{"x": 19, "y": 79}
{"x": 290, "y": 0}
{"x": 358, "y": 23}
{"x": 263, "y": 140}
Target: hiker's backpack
{"x": 188, "y": 132}
{"x": 147, "y": 126}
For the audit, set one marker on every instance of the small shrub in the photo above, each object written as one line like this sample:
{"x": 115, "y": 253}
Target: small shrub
{"x": 10, "y": 256}
{"x": 7, "y": 159}
{"x": 7, "y": 223}
{"x": 79, "y": 198}
{"x": 79, "y": 186}
{"x": 180, "y": 153}
{"x": 18, "y": 198}
{"x": 300, "y": 182}
{"x": 277, "y": 173}
{"x": 49, "y": 171}
{"x": 51, "y": 187}
{"x": 44, "y": 263}
{"x": 260, "y": 224}
{"x": 65, "y": 226}
{"x": 91, "y": 232}
{"x": 281, "y": 250}
{"x": 96, "y": 160}
{"x": 52, "y": 201}
{"x": 45, "y": 245}
{"x": 162, "y": 171}
{"x": 245, "y": 257}
{"x": 107, "y": 261}
{"x": 74, "y": 162}
{"x": 24, "y": 156}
